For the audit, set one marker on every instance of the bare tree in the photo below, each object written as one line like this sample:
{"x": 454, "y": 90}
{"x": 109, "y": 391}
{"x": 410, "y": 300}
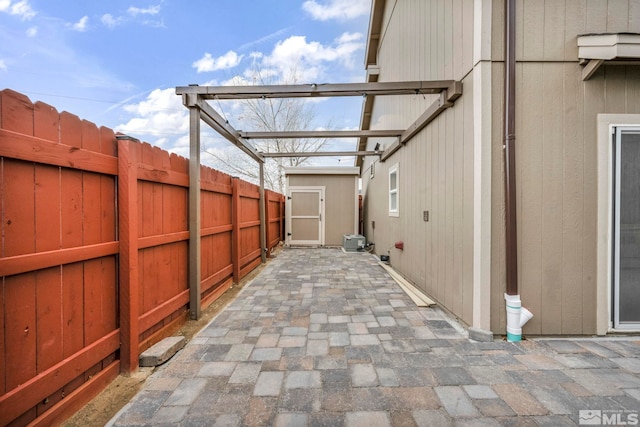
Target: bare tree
{"x": 270, "y": 115}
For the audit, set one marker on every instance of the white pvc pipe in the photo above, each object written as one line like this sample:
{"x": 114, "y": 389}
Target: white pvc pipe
{"x": 517, "y": 317}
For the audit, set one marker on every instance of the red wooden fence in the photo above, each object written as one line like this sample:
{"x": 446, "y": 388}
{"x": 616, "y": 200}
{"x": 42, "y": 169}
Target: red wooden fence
{"x": 94, "y": 255}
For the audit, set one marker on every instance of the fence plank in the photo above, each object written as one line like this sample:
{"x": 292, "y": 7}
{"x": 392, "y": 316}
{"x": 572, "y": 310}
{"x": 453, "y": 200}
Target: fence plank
{"x": 20, "y": 318}
{"x": 235, "y": 233}
{"x": 33, "y": 149}
{"x": 37, "y": 261}
{"x": 49, "y": 317}
{"x": 128, "y": 268}
{"x": 19, "y": 205}
{"x": 21, "y": 398}
{"x": 77, "y": 399}
{"x": 72, "y": 309}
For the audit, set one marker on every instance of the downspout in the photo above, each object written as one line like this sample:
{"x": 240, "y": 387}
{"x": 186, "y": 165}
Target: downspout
{"x": 516, "y": 315}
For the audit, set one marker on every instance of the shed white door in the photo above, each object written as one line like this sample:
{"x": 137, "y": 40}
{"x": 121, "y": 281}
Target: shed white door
{"x": 305, "y": 209}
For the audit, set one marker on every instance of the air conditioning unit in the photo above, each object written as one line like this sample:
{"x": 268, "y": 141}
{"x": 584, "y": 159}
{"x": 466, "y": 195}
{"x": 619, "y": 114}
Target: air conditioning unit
{"x": 353, "y": 242}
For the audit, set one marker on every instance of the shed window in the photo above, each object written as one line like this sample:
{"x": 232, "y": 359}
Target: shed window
{"x": 394, "y": 192}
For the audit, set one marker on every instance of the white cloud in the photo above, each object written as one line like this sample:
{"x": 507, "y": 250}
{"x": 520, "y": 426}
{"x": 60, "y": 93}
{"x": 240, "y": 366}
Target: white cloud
{"x": 341, "y": 10}
{"x": 109, "y": 21}
{"x": 32, "y": 32}
{"x": 209, "y": 63}
{"x": 81, "y": 25}
{"x": 22, "y": 8}
{"x": 161, "y": 115}
{"x": 310, "y": 58}
{"x": 151, "y": 10}
{"x": 3, "y": 65}
{"x": 134, "y": 14}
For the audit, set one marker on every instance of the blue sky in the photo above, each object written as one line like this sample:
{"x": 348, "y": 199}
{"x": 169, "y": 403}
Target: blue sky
{"x": 117, "y": 63}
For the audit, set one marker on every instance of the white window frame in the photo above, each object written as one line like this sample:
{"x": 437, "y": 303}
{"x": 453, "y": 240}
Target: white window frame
{"x": 394, "y": 191}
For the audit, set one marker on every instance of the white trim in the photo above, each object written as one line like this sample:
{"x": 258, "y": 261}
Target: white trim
{"x": 609, "y": 46}
{"x": 482, "y": 169}
{"x": 394, "y": 170}
{"x": 321, "y": 226}
{"x": 356, "y": 214}
{"x": 604, "y": 274}
{"x": 351, "y": 170}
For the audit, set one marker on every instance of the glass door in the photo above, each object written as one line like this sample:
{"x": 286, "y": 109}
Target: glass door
{"x": 626, "y": 247}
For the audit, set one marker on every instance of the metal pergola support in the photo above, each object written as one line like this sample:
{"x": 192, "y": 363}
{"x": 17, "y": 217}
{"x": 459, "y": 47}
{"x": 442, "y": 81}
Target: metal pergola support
{"x": 317, "y": 90}
{"x": 195, "y": 98}
{"x": 322, "y": 134}
{"x": 323, "y": 154}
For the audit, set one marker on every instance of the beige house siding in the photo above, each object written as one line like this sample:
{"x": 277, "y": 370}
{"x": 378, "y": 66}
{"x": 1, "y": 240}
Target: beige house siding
{"x": 556, "y": 140}
{"x": 436, "y": 166}
{"x": 340, "y": 203}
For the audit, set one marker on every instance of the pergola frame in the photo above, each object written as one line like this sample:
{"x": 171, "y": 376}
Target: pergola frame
{"x": 195, "y": 98}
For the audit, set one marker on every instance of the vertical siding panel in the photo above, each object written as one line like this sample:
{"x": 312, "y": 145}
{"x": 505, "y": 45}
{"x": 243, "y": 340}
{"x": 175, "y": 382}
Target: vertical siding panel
{"x": 633, "y": 91}
{"x": 457, "y": 41}
{"x": 447, "y": 121}
{"x": 429, "y": 206}
{"x": 498, "y": 266}
{"x": 520, "y": 30}
{"x": 441, "y": 38}
{"x": 596, "y": 17}
{"x": 617, "y": 16}
{"x": 533, "y": 30}
{"x": 552, "y": 262}
{"x": 634, "y": 17}
{"x": 467, "y": 38}
{"x": 575, "y": 15}
{"x": 433, "y": 40}
{"x": 449, "y": 42}
{"x": 554, "y": 27}
{"x": 573, "y": 202}
{"x": 467, "y": 199}
{"x": 442, "y": 208}
{"x": 497, "y": 30}
{"x": 615, "y": 94}
{"x": 531, "y": 167}
{"x": 594, "y": 103}
{"x": 436, "y": 216}
{"x": 456, "y": 118}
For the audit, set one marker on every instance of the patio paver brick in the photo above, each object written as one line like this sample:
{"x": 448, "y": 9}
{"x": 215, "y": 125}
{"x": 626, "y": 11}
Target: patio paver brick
{"x": 326, "y": 338}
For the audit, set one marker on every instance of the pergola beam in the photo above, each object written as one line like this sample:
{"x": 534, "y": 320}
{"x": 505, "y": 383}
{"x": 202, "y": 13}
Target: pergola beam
{"x": 392, "y": 133}
{"x": 317, "y": 90}
{"x": 323, "y": 154}
{"x": 220, "y": 125}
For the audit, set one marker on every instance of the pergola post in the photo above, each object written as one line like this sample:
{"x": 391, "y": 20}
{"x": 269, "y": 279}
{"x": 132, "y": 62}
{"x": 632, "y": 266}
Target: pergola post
{"x": 263, "y": 225}
{"x": 194, "y": 207}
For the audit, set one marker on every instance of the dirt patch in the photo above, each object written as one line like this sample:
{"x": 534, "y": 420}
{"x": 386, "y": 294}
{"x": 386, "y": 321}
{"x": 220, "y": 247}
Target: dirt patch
{"x": 117, "y": 394}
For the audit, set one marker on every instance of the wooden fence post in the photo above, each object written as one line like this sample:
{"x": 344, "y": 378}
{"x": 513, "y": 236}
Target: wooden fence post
{"x": 235, "y": 228}
{"x": 128, "y": 259}
{"x": 267, "y": 222}
{"x": 282, "y": 218}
